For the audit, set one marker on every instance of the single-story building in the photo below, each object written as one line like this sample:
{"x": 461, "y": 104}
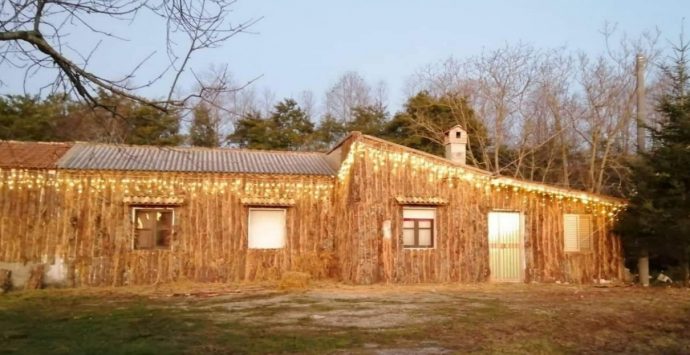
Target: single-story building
{"x": 368, "y": 211}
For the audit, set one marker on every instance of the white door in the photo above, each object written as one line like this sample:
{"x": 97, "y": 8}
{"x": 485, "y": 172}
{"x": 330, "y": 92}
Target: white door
{"x": 505, "y": 246}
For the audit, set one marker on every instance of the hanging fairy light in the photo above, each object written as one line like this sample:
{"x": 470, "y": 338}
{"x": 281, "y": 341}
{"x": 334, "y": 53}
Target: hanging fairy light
{"x": 439, "y": 171}
{"x": 434, "y": 171}
{"x": 164, "y": 185}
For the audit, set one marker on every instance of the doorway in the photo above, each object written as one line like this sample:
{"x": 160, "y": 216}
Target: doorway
{"x": 505, "y": 246}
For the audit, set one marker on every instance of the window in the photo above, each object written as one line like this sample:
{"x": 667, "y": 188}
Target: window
{"x": 418, "y": 227}
{"x": 267, "y": 228}
{"x": 153, "y": 228}
{"x": 577, "y": 232}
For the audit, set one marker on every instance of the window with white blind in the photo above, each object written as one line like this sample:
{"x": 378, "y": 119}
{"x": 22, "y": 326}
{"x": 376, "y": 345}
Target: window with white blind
{"x": 267, "y": 228}
{"x": 418, "y": 227}
{"x": 577, "y": 232}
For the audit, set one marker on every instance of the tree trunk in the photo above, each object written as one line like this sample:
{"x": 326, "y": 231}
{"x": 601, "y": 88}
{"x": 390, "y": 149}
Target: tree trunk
{"x": 643, "y": 267}
{"x": 564, "y": 150}
{"x": 686, "y": 271}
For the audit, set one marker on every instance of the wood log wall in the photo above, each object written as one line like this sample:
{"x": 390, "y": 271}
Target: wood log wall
{"x": 81, "y": 218}
{"x": 334, "y": 227}
{"x": 382, "y": 171}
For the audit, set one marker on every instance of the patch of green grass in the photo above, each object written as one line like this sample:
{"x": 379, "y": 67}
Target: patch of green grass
{"x": 478, "y": 312}
{"x": 79, "y": 325}
{"x": 69, "y": 324}
{"x": 264, "y": 311}
{"x": 231, "y": 299}
{"x": 43, "y": 322}
{"x": 81, "y": 322}
{"x": 243, "y": 338}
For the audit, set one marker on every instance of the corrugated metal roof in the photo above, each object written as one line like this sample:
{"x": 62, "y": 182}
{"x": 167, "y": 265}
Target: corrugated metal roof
{"x": 31, "y": 155}
{"x": 89, "y": 156}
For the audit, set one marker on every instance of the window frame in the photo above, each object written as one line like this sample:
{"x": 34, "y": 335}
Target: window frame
{"x": 416, "y": 228}
{"x": 266, "y": 208}
{"x": 136, "y": 209}
{"x": 579, "y": 234}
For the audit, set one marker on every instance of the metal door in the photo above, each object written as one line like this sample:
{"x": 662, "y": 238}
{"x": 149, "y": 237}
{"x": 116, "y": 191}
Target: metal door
{"x": 505, "y": 246}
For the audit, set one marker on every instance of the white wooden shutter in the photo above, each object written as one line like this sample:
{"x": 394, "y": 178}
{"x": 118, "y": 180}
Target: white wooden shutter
{"x": 584, "y": 231}
{"x": 570, "y": 234}
{"x": 266, "y": 228}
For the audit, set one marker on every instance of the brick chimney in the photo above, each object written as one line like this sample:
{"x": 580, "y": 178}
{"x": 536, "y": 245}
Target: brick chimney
{"x": 455, "y": 140}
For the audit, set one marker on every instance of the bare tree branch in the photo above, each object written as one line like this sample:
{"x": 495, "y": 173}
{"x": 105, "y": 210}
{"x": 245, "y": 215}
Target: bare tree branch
{"x": 32, "y": 33}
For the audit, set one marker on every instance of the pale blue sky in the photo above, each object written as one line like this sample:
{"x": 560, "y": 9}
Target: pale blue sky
{"x": 307, "y": 44}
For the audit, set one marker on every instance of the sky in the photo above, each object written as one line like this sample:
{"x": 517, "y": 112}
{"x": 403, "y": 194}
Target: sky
{"x": 308, "y": 44}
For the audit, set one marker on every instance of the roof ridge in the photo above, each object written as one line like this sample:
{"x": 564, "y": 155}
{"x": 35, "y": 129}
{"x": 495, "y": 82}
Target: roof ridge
{"x": 347, "y": 137}
{"x": 193, "y": 148}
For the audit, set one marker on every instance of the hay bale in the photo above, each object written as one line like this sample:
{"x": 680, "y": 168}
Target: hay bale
{"x": 35, "y": 281}
{"x": 294, "y": 280}
{"x": 5, "y": 280}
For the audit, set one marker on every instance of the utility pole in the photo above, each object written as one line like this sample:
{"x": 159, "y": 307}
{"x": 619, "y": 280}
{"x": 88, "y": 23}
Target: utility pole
{"x": 643, "y": 260}
{"x": 641, "y": 104}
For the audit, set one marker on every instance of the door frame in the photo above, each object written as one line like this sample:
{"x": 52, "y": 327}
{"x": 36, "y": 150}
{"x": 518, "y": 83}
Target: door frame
{"x": 521, "y": 235}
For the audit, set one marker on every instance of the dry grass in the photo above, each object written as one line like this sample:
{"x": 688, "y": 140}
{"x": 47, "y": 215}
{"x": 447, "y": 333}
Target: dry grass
{"x": 327, "y": 317}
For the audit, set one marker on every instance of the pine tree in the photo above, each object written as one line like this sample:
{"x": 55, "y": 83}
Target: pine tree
{"x": 287, "y": 128}
{"x": 203, "y": 132}
{"x": 328, "y": 132}
{"x": 427, "y": 117}
{"x": 147, "y": 126}
{"x": 370, "y": 119}
{"x": 32, "y": 118}
{"x": 291, "y": 127}
{"x": 252, "y": 131}
{"x": 658, "y": 215}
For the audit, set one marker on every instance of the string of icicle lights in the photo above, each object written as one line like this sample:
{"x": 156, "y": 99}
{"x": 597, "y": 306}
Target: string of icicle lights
{"x": 419, "y": 166}
{"x": 436, "y": 172}
{"x": 316, "y": 187}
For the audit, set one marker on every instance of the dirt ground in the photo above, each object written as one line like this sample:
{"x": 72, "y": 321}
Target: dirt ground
{"x": 334, "y": 318}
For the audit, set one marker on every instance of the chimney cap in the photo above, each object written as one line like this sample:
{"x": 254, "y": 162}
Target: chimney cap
{"x": 455, "y": 135}
{"x": 453, "y": 128}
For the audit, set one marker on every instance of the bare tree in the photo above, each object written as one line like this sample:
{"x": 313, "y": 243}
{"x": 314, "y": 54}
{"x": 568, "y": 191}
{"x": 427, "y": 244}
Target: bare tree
{"x": 503, "y": 77}
{"x": 226, "y": 106}
{"x": 606, "y": 122}
{"x": 451, "y": 80}
{"x": 551, "y": 115}
{"x": 449, "y": 75}
{"x": 33, "y": 37}
{"x": 547, "y": 140}
{"x": 350, "y": 92}
{"x": 495, "y": 85}
{"x": 307, "y": 102}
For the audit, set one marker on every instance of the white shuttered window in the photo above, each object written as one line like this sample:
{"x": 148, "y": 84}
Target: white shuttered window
{"x": 267, "y": 228}
{"x": 577, "y": 232}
